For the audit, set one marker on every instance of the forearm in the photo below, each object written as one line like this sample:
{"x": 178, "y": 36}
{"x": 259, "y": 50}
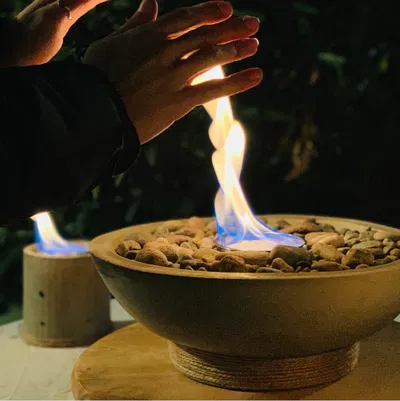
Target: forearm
{"x": 64, "y": 128}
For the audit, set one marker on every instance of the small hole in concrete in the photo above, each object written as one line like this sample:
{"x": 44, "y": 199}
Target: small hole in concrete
{"x": 42, "y": 323}
{"x": 41, "y": 293}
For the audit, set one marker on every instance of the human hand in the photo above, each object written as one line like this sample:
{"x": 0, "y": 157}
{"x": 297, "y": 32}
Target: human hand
{"x": 38, "y": 31}
{"x": 148, "y": 64}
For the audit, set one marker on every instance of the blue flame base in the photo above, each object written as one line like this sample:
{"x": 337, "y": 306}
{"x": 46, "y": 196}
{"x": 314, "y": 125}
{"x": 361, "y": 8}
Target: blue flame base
{"x": 233, "y": 235}
{"x": 58, "y": 248}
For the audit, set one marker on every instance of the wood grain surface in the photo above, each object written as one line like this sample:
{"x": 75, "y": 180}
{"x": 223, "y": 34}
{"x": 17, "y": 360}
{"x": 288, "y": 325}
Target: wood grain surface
{"x": 133, "y": 363}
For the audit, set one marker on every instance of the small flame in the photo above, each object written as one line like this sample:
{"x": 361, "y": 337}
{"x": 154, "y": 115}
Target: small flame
{"x": 49, "y": 241}
{"x": 237, "y": 227}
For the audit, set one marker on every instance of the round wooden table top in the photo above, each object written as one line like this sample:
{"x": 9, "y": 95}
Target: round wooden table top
{"x": 133, "y": 363}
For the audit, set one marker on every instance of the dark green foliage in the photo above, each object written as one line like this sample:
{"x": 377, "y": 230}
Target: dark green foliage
{"x": 323, "y": 128}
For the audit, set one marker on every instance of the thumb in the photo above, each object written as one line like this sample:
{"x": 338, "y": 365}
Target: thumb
{"x": 147, "y": 12}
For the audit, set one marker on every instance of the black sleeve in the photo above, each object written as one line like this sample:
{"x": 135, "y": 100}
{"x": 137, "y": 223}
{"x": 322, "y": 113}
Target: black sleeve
{"x": 63, "y": 128}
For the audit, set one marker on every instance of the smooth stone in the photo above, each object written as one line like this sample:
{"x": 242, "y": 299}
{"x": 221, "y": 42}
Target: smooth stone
{"x": 152, "y": 256}
{"x": 291, "y": 255}
{"x": 281, "y": 265}
{"x": 327, "y": 266}
{"x": 328, "y": 252}
{"x": 380, "y": 235}
{"x": 356, "y": 257}
{"x": 327, "y": 238}
{"x": 302, "y": 228}
{"x": 367, "y": 244}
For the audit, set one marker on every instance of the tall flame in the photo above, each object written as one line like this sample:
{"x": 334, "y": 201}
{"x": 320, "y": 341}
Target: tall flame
{"x": 49, "y": 241}
{"x": 237, "y": 227}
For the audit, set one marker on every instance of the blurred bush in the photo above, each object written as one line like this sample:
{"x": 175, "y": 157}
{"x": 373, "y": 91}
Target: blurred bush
{"x": 323, "y": 128}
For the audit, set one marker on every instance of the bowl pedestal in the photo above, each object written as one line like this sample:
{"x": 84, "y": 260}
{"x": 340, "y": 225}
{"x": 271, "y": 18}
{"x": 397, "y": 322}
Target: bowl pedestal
{"x": 261, "y": 374}
{"x": 134, "y": 363}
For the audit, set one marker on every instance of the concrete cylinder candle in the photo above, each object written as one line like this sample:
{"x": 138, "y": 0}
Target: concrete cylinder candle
{"x": 65, "y": 302}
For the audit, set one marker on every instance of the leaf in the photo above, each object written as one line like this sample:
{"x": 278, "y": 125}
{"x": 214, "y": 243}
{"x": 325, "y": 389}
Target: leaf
{"x": 277, "y": 116}
{"x": 131, "y": 212}
{"x": 331, "y": 58}
{"x": 383, "y": 64}
{"x": 96, "y": 192}
{"x": 136, "y": 192}
{"x": 303, "y": 26}
{"x": 118, "y": 180}
{"x": 9, "y": 259}
{"x": 305, "y": 8}
{"x": 151, "y": 155}
{"x": 250, "y": 113}
{"x": 13, "y": 313}
{"x": 200, "y": 153}
{"x": 363, "y": 85}
{"x": 65, "y": 53}
{"x": 3, "y": 235}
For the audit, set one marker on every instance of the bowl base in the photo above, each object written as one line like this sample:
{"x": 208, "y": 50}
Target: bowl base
{"x": 261, "y": 374}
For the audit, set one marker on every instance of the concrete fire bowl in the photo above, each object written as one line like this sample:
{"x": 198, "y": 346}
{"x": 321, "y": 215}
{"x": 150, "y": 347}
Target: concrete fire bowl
{"x": 255, "y": 331}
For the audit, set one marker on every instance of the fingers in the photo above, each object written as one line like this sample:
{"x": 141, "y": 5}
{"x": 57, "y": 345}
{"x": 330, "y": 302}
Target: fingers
{"x": 188, "y": 18}
{"x": 58, "y": 15}
{"x": 213, "y": 56}
{"x": 52, "y": 16}
{"x": 65, "y": 13}
{"x": 225, "y": 32}
{"x": 33, "y": 7}
{"x": 215, "y": 89}
{"x": 147, "y": 12}
{"x": 81, "y": 7}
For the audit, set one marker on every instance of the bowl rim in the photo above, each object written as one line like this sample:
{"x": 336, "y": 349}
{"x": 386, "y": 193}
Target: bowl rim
{"x": 103, "y": 247}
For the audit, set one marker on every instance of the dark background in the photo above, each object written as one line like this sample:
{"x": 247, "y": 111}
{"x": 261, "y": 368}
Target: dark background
{"x": 323, "y": 129}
